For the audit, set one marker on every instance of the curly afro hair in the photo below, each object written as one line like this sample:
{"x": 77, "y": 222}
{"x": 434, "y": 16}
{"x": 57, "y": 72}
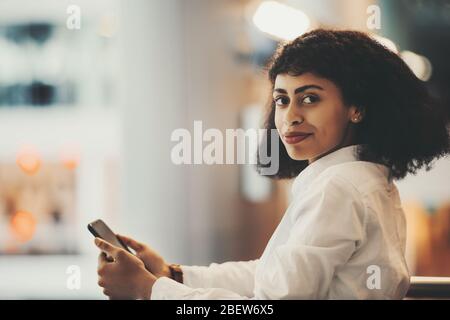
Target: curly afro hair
{"x": 402, "y": 127}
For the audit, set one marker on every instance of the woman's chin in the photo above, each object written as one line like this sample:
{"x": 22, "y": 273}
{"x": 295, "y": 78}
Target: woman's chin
{"x": 297, "y": 155}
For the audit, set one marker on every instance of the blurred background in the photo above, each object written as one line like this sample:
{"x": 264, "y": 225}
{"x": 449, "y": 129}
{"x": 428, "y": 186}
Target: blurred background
{"x": 88, "y": 105}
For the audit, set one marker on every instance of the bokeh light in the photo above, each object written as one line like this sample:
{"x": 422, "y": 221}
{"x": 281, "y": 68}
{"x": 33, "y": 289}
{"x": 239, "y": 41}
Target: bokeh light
{"x": 23, "y": 225}
{"x": 28, "y": 160}
{"x": 70, "y": 157}
{"x": 281, "y": 21}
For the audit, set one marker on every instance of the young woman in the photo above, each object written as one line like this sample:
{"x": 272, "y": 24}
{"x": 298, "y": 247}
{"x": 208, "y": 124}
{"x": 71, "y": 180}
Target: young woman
{"x": 351, "y": 117}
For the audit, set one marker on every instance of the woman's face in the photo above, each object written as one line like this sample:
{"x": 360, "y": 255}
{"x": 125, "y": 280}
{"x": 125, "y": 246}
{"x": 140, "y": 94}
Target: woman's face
{"x": 314, "y": 106}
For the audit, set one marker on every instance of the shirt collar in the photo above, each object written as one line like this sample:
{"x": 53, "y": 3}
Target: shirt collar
{"x": 308, "y": 174}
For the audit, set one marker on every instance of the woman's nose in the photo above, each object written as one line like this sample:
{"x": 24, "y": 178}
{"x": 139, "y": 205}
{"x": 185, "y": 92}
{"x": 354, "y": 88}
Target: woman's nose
{"x": 292, "y": 117}
{"x": 293, "y": 123}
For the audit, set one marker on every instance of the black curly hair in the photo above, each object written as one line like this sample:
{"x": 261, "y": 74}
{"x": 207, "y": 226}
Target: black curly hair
{"x": 403, "y": 128}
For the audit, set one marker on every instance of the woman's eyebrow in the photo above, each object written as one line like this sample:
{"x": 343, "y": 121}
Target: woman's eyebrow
{"x": 299, "y": 89}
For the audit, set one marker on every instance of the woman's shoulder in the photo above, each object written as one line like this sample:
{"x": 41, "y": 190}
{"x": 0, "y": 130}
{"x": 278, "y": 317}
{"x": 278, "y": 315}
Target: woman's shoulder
{"x": 360, "y": 176}
{"x": 332, "y": 198}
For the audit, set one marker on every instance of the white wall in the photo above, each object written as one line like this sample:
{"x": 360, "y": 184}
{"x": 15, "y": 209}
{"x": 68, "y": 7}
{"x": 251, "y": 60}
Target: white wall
{"x": 154, "y": 206}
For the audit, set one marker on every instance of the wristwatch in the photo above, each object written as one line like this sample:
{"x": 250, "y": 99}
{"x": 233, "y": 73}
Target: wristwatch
{"x": 176, "y": 273}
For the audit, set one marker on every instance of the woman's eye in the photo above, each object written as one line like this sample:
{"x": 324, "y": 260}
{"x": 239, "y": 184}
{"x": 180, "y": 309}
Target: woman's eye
{"x": 281, "y": 101}
{"x": 310, "y": 99}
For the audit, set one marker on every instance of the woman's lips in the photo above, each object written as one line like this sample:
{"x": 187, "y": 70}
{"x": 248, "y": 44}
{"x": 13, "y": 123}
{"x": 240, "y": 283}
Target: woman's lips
{"x": 295, "y": 139}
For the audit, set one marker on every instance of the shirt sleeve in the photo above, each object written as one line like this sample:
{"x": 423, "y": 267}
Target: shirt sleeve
{"x": 232, "y": 275}
{"x": 232, "y": 279}
{"x": 328, "y": 224}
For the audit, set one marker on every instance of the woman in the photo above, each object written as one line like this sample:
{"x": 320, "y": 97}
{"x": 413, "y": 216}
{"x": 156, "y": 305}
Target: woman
{"x": 351, "y": 117}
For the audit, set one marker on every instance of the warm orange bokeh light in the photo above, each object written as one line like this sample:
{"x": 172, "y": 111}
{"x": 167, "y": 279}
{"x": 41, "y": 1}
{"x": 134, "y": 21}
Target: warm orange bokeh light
{"x": 28, "y": 160}
{"x": 23, "y": 225}
{"x": 70, "y": 157}
{"x": 70, "y": 161}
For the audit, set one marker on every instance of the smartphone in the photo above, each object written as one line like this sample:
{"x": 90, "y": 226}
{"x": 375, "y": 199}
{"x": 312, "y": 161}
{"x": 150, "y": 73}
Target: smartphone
{"x": 100, "y": 229}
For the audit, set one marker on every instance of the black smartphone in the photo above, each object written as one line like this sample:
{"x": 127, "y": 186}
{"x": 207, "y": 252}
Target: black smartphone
{"x": 100, "y": 229}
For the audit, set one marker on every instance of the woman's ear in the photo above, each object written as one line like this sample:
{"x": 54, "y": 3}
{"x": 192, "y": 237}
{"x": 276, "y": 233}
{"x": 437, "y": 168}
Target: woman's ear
{"x": 356, "y": 114}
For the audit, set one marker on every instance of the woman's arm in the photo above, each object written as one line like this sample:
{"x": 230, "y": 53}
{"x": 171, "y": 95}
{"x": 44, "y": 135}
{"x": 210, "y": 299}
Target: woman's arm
{"x": 237, "y": 276}
{"x": 297, "y": 269}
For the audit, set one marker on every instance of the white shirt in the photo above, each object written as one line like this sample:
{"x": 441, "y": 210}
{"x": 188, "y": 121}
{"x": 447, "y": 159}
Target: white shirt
{"x": 342, "y": 237}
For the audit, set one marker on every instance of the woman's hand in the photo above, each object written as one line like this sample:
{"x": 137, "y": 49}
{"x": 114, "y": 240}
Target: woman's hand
{"x": 124, "y": 278}
{"x": 152, "y": 260}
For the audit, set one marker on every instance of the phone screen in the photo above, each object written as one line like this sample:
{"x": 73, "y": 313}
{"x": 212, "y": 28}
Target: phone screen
{"x": 99, "y": 229}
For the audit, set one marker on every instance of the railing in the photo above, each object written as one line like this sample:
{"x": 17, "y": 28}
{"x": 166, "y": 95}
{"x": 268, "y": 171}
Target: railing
{"x": 429, "y": 288}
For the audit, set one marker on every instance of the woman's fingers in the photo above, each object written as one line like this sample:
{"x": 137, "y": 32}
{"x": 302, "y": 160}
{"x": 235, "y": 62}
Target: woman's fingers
{"x": 102, "y": 259}
{"x": 133, "y": 244}
{"x": 108, "y": 248}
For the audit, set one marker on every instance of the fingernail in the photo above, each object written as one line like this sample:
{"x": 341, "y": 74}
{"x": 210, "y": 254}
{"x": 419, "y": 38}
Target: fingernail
{"x": 97, "y": 241}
